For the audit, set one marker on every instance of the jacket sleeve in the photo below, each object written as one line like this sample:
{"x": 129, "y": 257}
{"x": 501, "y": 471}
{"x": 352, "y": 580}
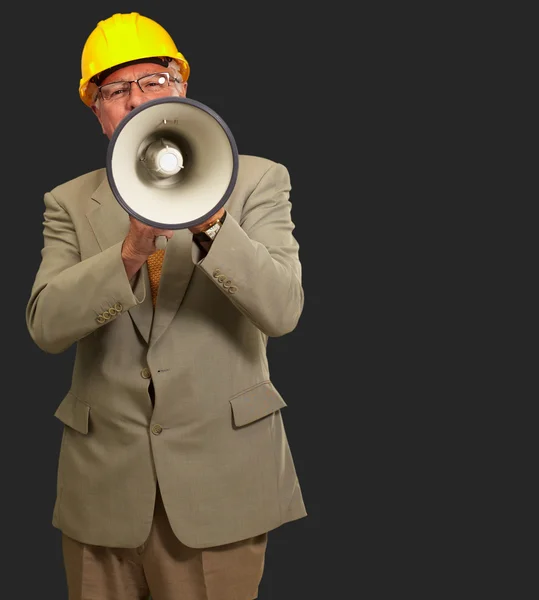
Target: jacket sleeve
{"x": 256, "y": 262}
{"x": 71, "y": 297}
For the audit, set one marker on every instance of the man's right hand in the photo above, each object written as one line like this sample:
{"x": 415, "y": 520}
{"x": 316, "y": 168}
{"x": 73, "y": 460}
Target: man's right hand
{"x": 139, "y": 244}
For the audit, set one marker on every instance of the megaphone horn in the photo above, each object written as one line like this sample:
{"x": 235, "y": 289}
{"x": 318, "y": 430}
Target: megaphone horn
{"x": 172, "y": 163}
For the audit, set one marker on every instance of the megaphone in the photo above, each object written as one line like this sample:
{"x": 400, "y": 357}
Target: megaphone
{"x": 171, "y": 163}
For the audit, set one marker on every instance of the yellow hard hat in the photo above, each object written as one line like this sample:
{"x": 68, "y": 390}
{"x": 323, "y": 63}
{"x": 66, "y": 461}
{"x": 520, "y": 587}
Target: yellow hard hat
{"x": 124, "y": 38}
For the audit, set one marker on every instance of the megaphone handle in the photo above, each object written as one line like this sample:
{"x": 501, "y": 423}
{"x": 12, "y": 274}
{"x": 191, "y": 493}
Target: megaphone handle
{"x": 161, "y": 242}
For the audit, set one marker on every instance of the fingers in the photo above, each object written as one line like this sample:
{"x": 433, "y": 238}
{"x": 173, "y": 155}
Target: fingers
{"x": 144, "y": 239}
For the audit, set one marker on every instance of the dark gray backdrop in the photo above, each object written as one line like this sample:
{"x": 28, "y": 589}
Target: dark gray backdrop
{"x": 387, "y": 116}
{"x": 358, "y": 103}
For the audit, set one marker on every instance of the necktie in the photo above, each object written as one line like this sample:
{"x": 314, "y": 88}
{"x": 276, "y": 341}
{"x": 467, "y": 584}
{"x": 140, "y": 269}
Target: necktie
{"x": 155, "y": 262}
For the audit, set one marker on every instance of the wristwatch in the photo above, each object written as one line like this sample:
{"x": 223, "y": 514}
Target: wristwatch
{"x": 208, "y": 235}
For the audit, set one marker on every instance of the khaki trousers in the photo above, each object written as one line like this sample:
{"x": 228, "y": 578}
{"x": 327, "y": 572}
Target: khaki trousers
{"x": 164, "y": 568}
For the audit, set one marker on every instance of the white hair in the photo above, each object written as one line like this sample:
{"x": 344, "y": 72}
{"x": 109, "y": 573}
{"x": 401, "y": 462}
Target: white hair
{"x": 175, "y": 68}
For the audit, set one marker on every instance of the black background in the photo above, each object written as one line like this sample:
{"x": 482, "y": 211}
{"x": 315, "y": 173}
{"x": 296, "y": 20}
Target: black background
{"x": 271, "y": 71}
{"x": 366, "y": 106}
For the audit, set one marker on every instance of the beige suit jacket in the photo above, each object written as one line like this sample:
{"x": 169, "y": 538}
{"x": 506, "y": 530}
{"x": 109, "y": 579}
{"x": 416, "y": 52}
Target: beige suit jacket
{"x": 215, "y": 439}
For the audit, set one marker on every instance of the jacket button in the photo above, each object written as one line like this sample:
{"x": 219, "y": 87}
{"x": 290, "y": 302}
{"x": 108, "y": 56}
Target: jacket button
{"x": 145, "y": 373}
{"x": 156, "y": 429}
{"x": 118, "y": 307}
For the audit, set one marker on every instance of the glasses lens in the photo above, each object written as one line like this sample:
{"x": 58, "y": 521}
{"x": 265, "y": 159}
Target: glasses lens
{"x": 114, "y": 91}
{"x": 154, "y": 84}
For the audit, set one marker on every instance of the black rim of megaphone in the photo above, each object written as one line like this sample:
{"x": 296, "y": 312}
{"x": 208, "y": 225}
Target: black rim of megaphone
{"x": 133, "y": 114}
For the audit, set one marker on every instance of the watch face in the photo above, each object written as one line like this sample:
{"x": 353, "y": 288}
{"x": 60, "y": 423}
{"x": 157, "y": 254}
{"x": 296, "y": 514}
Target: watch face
{"x": 212, "y": 231}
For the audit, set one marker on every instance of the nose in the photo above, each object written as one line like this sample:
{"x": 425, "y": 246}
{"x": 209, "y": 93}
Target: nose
{"x": 136, "y": 97}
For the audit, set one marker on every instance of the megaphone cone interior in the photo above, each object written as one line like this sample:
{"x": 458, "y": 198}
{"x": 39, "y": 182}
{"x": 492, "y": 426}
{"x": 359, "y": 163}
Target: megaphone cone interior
{"x": 172, "y": 163}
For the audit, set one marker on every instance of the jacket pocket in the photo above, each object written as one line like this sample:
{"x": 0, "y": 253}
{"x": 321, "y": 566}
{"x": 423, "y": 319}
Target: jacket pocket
{"x": 74, "y": 413}
{"x": 255, "y": 403}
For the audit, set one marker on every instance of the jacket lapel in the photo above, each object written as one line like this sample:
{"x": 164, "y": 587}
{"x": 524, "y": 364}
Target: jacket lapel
{"x": 175, "y": 276}
{"x": 110, "y": 224}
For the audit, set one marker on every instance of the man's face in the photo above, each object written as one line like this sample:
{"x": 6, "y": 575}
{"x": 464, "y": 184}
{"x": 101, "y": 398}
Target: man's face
{"x": 111, "y": 112}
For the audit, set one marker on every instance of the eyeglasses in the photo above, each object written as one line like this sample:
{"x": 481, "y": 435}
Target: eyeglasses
{"x": 153, "y": 84}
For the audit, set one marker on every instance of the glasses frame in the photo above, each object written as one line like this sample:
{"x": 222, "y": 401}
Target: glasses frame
{"x": 167, "y": 75}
